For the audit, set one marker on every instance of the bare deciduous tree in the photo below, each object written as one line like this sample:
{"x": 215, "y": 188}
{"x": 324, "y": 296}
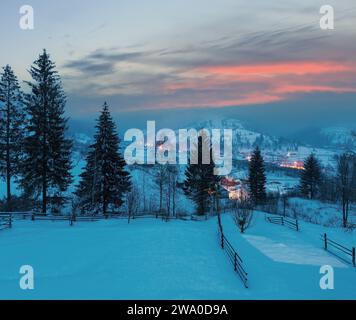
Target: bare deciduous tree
{"x": 242, "y": 214}
{"x": 346, "y": 172}
{"x": 161, "y": 179}
{"x": 132, "y": 203}
{"x": 171, "y": 180}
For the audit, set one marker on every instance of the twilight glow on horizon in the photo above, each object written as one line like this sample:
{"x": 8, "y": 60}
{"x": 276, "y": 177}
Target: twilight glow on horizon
{"x": 154, "y": 55}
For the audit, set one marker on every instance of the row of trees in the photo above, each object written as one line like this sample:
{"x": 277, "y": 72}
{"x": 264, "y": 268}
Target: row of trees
{"x": 35, "y": 150}
{"x": 340, "y": 186}
{"x": 33, "y": 146}
{"x": 314, "y": 184}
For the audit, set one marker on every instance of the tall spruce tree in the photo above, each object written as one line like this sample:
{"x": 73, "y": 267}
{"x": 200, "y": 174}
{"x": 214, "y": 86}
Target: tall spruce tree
{"x": 257, "y": 177}
{"x": 12, "y": 121}
{"x": 200, "y": 178}
{"x": 104, "y": 180}
{"x": 47, "y": 163}
{"x": 310, "y": 177}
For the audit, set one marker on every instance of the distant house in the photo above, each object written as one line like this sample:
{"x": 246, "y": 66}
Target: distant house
{"x": 237, "y": 189}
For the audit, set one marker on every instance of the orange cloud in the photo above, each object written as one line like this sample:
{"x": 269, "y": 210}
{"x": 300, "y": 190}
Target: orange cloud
{"x": 221, "y": 86}
{"x": 239, "y": 85}
{"x": 284, "y": 68}
{"x": 311, "y": 88}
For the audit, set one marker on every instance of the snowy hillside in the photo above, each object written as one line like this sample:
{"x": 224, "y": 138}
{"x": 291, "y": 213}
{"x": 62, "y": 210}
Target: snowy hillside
{"x": 151, "y": 259}
{"x": 340, "y": 136}
{"x": 318, "y": 212}
{"x": 243, "y": 138}
{"x": 276, "y": 150}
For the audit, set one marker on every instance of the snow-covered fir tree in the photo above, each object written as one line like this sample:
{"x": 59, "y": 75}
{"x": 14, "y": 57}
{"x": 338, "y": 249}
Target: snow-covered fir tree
{"x": 200, "y": 179}
{"x": 12, "y": 121}
{"x": 47, "y": 162}
{"x": 310, "y": 177}
{"x": 104, "y": 180}
{"x": 257, "y": 177}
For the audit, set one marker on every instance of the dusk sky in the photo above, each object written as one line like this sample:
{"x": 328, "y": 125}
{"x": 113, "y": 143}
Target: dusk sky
{"x": 189, "y": 55}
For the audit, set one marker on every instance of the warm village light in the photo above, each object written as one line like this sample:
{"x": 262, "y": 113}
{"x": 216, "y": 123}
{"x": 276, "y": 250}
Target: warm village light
{"x": 298, "y": 165}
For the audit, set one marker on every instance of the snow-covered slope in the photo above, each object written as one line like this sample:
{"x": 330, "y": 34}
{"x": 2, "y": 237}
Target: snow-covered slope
{"x": 340, "y": 136}
{"x": 242, "y": 137}
{"x": 151, "y": 259}
{"x": 276, "y": 150}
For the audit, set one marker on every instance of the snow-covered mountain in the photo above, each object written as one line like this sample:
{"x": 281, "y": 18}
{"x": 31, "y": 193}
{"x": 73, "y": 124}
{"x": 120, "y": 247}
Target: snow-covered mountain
{"x": 282, "y": 151}
{"x": 279, "y": 151}
{"x": 247, "y": 139}
{"x": 340, "y": 136}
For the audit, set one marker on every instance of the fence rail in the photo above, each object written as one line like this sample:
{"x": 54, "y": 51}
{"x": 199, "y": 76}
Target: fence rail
{"x": 233, "y": 257}
{"x": 284, "y": 221}
{"x": 5, "y": 221}
{"x": 18, "y": 215}
{"x": 71, "y": 218}
{"x": 331, "y": 243}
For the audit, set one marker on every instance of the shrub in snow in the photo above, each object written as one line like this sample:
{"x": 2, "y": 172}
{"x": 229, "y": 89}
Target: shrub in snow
{"x": 242, "y": 214}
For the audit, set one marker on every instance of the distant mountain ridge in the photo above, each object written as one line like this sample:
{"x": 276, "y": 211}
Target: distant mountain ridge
{"x": 340, "y": 136}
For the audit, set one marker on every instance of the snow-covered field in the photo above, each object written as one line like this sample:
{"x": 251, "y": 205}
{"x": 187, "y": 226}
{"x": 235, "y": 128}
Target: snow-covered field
{"x": 152, "y": 259}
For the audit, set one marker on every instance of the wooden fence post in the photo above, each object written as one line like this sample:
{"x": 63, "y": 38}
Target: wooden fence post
{"x": 10, "y": 221}
{"x": 297, "y": 224}
{"x": 325, "y": 241}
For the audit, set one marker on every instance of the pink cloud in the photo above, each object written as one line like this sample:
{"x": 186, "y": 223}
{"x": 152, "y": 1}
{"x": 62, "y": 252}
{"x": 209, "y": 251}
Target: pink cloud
{"x": 279, "y": 68}
{"x": 234, "y": 85}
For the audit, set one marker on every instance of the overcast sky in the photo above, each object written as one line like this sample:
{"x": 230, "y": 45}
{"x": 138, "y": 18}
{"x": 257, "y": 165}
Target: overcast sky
{"x": 187, "y": 57}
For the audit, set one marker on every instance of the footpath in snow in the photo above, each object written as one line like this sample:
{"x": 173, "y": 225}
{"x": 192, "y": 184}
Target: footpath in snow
{"x": 285, "y": 264}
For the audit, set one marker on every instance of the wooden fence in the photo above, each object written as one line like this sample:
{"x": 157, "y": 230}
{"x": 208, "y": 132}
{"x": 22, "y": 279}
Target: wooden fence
{"x": 284, "y": 221}
{"x": 79, "y": 218}
{"x": 233, "y": 257}
{"x": 5, "y": 221}
{"x": 328, "y": 244}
